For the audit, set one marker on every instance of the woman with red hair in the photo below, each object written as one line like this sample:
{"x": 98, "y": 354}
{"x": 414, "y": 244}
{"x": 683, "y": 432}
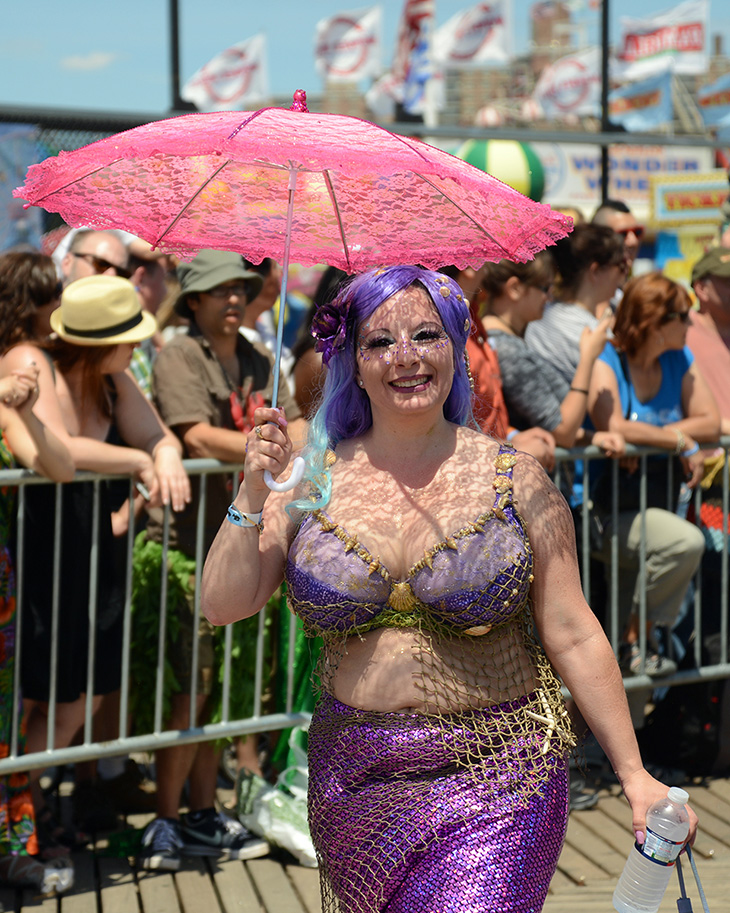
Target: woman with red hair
{"x": 647, "y": 386}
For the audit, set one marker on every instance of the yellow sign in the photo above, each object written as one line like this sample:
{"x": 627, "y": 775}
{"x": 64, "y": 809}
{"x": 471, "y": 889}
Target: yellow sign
{"x": 688, "y": 200}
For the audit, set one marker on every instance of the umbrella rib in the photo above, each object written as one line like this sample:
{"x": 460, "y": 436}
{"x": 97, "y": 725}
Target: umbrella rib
{"x": 331, "y": 191}
{"x": 192, "y": 198}
{"x": 76, "y": 181}
{"x": 464, "y": 213}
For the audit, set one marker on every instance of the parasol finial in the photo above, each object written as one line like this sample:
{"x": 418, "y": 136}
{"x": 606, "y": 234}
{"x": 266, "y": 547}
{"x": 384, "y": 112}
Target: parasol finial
{"x": 300, "y": 101}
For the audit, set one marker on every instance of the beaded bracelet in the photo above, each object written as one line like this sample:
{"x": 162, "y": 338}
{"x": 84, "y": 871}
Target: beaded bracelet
{"x": 691, "y": 452}
{"x": 681, "y": 443}
{"x": 245, "y": 521}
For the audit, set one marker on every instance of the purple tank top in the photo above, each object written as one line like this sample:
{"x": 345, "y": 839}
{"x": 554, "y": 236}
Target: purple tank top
{"x": 475, "y": 579}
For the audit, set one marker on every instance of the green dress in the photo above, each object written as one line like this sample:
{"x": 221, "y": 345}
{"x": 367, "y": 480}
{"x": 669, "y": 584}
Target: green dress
{"x": 17, "y": 827}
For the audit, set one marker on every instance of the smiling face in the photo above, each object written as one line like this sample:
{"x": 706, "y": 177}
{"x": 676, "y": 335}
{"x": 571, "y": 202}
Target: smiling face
{"x": 405, "y": 359}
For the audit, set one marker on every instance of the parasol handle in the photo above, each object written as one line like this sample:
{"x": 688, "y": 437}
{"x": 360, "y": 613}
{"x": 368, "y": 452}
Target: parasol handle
{"x": 298, "y": 466}
{"x": 297, "y": 472}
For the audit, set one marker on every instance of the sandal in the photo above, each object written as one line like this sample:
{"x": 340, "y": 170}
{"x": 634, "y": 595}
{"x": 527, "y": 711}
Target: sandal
{"x": 54, "y": 839}
{"x": 27, "y": 872}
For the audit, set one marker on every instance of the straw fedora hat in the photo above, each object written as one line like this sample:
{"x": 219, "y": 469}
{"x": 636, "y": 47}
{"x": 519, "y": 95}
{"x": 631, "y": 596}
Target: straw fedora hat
{"x": 101, "y": 311}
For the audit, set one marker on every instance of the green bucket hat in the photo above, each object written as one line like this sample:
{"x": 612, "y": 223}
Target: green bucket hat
{"x": 209, "y": 269}
{"x": 716, "y": 262}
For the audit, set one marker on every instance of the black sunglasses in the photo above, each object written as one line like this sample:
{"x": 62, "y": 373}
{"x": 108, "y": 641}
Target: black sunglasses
{"x": 676, "y": 315}
{"x": 100, "y": 265}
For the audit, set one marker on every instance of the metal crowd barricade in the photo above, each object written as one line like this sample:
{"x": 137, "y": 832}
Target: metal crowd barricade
{"x": 587, "y": 552}
{"x": 88, "y": 749}
{"x": 261, "y": 721}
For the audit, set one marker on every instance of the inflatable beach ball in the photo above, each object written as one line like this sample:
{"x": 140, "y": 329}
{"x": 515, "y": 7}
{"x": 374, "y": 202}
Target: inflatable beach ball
{"x": 512, "y": 162}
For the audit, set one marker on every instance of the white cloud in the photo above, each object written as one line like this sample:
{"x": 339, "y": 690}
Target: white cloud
{"x": 95, "y": 60}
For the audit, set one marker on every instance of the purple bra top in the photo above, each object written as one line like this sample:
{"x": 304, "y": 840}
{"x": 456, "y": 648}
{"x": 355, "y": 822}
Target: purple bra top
{"x": 475, "y": 579}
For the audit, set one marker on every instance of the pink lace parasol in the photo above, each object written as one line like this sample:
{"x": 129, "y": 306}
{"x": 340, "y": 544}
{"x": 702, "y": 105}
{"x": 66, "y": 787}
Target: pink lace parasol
{"x": 362, "y": 196}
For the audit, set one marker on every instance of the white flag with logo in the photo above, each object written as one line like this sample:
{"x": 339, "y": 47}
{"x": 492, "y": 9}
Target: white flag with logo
{"x": 571, "y": 85}
{"x": 347, "y": 46}
{"x": 473, "y": 38}
{"x": 234, "y": 80}
{"x": 680, "y": 34}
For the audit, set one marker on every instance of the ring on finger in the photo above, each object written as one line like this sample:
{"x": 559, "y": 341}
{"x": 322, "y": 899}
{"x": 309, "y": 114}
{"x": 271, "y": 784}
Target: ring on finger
{"x": 259, "y": 431}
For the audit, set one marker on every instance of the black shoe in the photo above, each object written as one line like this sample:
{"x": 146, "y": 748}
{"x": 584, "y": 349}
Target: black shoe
{"x": 582, "y": 797}
{"x": 210, "y": 833}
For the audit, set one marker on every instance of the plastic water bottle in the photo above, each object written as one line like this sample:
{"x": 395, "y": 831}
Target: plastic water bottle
{"x": 645, "y": 877}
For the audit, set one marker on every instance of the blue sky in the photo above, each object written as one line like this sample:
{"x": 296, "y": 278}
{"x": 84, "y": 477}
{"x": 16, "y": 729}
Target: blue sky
{"x": 86, "y": 54}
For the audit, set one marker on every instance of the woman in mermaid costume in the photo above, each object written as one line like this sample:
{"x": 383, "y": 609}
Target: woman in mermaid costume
{"x": 439, "y": 567}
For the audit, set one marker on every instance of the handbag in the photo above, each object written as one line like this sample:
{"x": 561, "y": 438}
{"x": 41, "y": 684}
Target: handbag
{"x": 684, "y": 904}
{"x": 278, "y": 813}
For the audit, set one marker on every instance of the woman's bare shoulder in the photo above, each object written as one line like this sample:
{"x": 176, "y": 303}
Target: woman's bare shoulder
{"x": 22, "y": 355}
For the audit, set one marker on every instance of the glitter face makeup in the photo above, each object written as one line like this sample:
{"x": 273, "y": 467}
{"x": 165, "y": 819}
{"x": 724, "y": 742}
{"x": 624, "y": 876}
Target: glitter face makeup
{"x": 404, "y": 352}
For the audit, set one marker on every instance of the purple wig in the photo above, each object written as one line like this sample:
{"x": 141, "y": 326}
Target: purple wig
{"x": 344, "y": 410}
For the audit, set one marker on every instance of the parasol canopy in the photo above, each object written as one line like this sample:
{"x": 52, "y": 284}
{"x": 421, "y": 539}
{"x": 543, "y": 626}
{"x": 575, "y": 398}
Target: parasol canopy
{"x": 364, "y": 196}
{"x": 293, "y": 185}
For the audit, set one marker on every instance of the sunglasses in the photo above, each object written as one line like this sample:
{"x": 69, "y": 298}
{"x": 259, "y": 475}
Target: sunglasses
{"x": 100, "y": 265}
{"x": 637, "y": 230}
{"x": 676, "y": 315}
{"x": 239, "y": 289}
{"x": 545, "y": 289}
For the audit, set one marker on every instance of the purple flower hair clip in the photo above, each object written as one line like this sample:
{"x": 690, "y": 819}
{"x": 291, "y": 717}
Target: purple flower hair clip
{"x": 329, "y": 327}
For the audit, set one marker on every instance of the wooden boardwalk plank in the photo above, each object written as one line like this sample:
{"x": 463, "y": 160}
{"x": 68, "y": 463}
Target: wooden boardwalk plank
{"x": 306, "y": 884}
{"x": 82, "y": 897}
{"x": 235, "y": 888}
{"x": 157, "y": 892}
{"x": 195, "y": 888}
{"x": 592, "y": 843}
{"x": 277, "y": 893}
{"x": 118, "y": 888}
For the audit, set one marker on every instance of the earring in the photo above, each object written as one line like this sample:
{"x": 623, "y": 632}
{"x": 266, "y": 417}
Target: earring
{"x": 359, "y": 382}
{"x": 468, "y": 371}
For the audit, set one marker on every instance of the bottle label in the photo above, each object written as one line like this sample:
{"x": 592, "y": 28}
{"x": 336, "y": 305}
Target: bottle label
{"x": 659, "y": 849}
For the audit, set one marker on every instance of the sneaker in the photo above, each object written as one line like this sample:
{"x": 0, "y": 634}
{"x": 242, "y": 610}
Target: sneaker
{"x": 210, "y": 833}
{"x": 161, "y": 845}
{"x": 47, "y": 878}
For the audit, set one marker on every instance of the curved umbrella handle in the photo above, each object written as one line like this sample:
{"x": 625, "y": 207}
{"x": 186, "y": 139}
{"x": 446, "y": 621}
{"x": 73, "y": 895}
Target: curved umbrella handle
{"x": 297, "y": 473}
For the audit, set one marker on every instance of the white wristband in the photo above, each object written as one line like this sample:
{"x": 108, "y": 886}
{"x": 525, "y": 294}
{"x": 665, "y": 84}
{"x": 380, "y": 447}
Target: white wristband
{"x": 245, "y": 521}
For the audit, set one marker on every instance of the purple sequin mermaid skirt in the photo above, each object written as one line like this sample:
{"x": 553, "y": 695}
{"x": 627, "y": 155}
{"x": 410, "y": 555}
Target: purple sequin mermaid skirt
{"x": 405, "y": 821}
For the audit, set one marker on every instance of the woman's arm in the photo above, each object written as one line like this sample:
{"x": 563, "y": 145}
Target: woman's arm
{"x": 701, "y": 416}
{"x": 32, "y": 444}
{"x": 245, "y": 566}
{"x": 47, "y": 407}
{"x": 574, "y": 406}
{"x": 574, "y": 640}
{"x": 141, "y": 427}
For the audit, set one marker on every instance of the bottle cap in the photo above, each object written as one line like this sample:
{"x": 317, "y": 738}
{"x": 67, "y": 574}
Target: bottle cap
{"x": 680, "y": 796}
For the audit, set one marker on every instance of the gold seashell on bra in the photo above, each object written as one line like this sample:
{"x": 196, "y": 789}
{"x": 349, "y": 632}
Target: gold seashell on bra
{"x": 478, "y": 630}
{"x": 402, "y": 598}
